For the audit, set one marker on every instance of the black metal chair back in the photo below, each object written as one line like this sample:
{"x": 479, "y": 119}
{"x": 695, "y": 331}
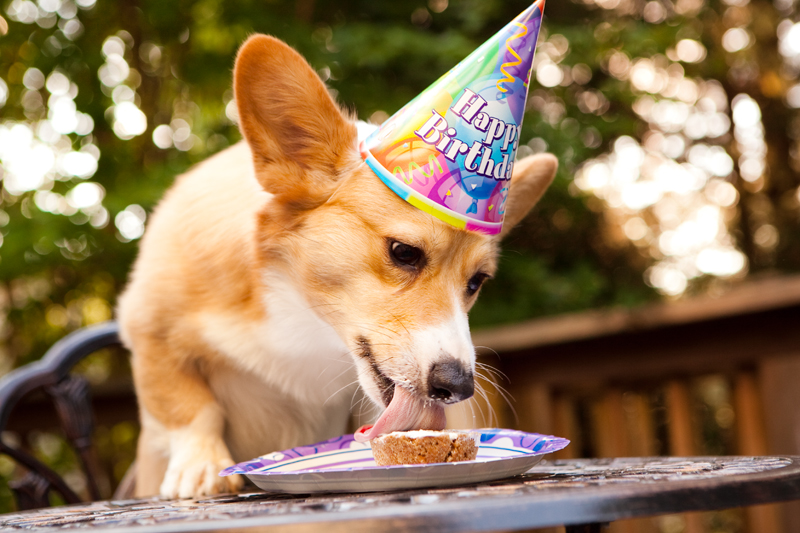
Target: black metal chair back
{"x": 71, "y": 397}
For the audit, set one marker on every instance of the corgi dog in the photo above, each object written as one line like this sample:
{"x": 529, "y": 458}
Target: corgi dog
{"x": 280, "y": 275}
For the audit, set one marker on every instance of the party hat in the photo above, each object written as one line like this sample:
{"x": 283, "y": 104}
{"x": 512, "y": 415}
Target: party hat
{"x": 451, "y": 149}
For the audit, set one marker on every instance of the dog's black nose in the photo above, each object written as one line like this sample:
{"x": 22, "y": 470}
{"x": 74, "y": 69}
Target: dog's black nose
{"x": 449, "y": 381}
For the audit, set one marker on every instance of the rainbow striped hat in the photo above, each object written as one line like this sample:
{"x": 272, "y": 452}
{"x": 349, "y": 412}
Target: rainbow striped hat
{"x": 451, "y": 149}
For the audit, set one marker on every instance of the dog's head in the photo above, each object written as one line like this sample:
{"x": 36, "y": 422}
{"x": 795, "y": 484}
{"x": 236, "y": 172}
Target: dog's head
{"x": 393, "y": 281}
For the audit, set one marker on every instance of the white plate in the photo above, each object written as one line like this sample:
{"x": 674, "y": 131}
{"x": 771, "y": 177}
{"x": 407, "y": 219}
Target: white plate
{"x": 344, "y": 465}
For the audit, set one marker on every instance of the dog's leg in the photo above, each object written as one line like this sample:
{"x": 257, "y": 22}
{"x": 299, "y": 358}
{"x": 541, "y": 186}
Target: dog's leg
{"x": 152, "y": 456}
{"x": 179, "y": 414}
{"x": 197, "y": 454}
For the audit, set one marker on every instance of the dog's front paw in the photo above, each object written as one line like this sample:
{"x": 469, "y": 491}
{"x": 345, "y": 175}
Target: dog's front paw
{"x": 198, "y": 477}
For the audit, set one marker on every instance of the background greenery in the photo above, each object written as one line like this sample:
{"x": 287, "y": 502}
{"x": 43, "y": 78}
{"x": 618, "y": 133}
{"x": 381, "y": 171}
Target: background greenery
{"x": 62, "y": 262}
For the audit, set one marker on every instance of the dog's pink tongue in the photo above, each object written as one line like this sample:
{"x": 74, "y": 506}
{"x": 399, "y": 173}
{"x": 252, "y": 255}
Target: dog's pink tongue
{"x": 405, "y": 412}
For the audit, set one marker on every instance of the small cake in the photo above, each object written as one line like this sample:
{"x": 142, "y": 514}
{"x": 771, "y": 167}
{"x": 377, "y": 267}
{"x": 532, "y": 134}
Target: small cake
{"x": 424, "y": 447}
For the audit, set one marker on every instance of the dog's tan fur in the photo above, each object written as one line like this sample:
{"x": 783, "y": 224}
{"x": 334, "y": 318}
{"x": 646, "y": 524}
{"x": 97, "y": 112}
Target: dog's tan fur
{"x": 263, "y": 267}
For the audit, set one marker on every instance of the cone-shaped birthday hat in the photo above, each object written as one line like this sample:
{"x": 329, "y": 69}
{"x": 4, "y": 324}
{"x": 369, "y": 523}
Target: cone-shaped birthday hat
{"x": 450, "y": 151}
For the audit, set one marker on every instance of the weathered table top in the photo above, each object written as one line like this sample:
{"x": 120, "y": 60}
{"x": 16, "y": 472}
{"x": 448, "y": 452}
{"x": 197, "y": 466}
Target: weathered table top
{"x": 570, "y": 492}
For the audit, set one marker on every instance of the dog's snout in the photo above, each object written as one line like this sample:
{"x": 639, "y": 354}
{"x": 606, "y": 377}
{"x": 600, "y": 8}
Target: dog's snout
{"x": 450, "y": 381}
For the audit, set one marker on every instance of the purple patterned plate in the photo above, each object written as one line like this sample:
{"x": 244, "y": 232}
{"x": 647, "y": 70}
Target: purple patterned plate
{"x": 344, "y": 465}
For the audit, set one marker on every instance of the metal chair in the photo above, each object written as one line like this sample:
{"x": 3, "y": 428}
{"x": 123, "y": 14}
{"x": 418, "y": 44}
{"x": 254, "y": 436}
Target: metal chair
{"x": 70, "y": 395}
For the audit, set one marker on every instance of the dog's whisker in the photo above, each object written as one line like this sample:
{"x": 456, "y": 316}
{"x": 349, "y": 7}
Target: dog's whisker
{"x": 372, "y": 407}
{"x": 499, "y": 388}
{"x": 489, "y": 408}
{"x": 360, "y": 407}
{"x": 492, "y": 370}
{"x": 480, "y": 393}
{"x": 353, "y": 400}
{"x": 492, "y": 350}
{"x": 473, "y": 406}
{"x": 383, "y": 326}
{"x": 469, "y": 409}
{"x": 484, "y": 375}
{"x": 397, "y": 319}
{"x": 340, "y": 374}
{"x": 338, "y": 391}
{"x": 364, "y": 397}
{"x": 504, "y": 394}
{"x": 509, "y": 399}
{"x": 368, "y": 328}
{"x": 485, "y": 394}
{"x": 474, "y": 415}
{"x": 479, "y": 405}
{"x": 493, "y": 416}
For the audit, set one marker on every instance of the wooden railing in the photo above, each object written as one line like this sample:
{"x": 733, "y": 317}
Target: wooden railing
{"x": 631, "y": 383}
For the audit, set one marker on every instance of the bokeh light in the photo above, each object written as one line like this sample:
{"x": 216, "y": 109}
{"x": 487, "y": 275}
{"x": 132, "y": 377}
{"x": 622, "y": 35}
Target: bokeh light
{"x": 85, "y": 195}
{"x": 3, "y": 92}
{"x": 690, "y": 51}
{"x": 671, "y": 193}
{"x": 736, "y": 39}
{"x": 130, "y": 222}
{"x": 128, "y": 121}
{"x": 789, "y": 36}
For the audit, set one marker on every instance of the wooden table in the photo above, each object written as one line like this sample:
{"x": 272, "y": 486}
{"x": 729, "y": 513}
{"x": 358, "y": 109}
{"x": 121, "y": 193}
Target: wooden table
{"x": 579, "y": 493}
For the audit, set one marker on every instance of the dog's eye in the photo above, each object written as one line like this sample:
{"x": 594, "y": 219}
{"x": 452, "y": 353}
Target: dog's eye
{"x": 475, "y": 283}
{"x": 405, "y": 254}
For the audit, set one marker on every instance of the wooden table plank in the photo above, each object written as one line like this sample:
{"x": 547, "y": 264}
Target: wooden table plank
{"x": 571, "y": 492}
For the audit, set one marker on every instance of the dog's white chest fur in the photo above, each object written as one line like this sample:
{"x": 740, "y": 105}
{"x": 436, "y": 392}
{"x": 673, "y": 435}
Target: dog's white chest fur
{"x": 291, "y": 378}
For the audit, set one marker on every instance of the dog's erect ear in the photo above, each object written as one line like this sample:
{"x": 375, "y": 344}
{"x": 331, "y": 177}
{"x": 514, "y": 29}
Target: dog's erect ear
{"x": 529, "y": 181}
{"x": 301, "y": 141}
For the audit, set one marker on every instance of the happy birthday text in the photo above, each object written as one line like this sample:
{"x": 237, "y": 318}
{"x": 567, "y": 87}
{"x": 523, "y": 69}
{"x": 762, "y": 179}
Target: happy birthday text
{"x": 478, "y": 157}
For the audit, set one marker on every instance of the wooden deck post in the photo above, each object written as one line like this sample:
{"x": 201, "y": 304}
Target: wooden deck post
{"x": 780, "y": 385}
{"x": 608, "y": 418}
{"x": 534, "y": 407}
{"x": 565, "y": 424}
{"x": 751, "y": 439}
{"x": 681, "y": 436}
